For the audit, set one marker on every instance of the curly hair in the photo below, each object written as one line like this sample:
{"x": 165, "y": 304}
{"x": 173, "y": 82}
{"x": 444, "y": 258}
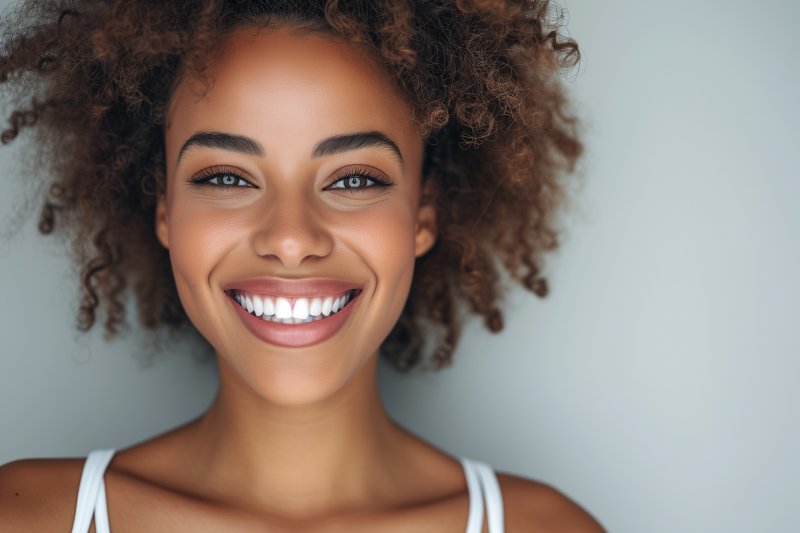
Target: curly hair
{"x": 482, "y": 78}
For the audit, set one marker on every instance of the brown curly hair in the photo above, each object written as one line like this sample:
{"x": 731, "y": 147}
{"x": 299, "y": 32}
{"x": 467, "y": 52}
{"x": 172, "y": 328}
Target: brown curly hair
{"x": 481, "y": 76}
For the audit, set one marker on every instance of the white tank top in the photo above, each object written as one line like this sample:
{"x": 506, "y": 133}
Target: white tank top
{"x": 481, "y": 482}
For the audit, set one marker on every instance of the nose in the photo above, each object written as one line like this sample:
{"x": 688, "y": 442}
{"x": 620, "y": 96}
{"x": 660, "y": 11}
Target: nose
{"x": 288, "y": 229}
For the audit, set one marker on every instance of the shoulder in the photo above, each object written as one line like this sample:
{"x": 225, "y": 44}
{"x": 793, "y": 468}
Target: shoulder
{"x": 39, "y": 494}
{"x": 532, "y": 506}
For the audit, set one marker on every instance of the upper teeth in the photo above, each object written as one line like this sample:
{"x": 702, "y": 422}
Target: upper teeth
{"x": 286, "y": 308}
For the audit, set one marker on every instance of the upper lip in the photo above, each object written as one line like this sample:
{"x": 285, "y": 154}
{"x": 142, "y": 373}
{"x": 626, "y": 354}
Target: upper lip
{"x": 295, "y": 288}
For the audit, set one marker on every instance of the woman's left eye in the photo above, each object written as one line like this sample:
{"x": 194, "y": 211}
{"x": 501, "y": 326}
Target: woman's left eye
{"x": 358, "y": 182}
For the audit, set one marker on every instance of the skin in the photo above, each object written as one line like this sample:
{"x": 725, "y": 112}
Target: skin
{"x": 296, "y": 439}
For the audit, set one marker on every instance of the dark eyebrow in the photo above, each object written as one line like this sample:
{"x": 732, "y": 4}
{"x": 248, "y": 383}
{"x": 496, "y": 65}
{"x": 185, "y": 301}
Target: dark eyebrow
{"x": 223, "y": 141}
{"x": 331, "y": 145}
{"x": 356, "y": 141}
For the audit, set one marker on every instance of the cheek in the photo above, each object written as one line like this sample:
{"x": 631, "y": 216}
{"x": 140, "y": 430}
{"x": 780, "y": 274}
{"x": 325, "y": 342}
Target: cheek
{"x": 199, "y": 239}
{"x": 384, "y": 239}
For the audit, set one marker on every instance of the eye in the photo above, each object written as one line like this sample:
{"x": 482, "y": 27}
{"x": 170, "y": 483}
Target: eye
{"x": 356, "y": 181}
{"x": 221, "y": 178}
{"x": 228, "y": 180}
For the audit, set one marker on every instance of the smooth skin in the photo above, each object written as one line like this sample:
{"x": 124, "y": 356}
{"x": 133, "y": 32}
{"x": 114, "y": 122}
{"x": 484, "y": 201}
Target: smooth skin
{"x": 296, "y": 439}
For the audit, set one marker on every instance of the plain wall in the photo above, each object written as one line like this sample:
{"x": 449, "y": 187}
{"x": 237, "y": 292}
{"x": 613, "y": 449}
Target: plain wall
{"x": 655, "y": 385}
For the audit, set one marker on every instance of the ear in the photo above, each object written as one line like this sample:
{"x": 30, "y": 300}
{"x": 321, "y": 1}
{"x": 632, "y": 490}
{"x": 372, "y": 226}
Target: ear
{"x": 162, "y": 222}
{"x": 425, "y": 236}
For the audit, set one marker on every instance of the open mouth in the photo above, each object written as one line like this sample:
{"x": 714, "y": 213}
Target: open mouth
{"x": 292, "y": 311}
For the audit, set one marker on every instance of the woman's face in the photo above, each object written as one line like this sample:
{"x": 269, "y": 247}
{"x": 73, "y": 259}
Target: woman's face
{"x": 272, "y": 176}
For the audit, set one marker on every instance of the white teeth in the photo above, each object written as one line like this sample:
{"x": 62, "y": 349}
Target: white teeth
{"x": 269, "y": 306}
{"x": 315, "y": 307}
{"x": 327, "y": 305}
{"x": 300, "y": 308}
{"x": 258, "y": 305}
{"x": 283, "y": 308}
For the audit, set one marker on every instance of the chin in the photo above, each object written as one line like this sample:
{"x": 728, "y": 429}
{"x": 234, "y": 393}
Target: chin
{"x": 296, "y": 380}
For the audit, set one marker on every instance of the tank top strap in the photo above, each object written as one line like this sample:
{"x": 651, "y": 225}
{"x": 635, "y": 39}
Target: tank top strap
{"x": 92, "y": 493}
{"x": 482, "y": 483}
{"x": 494, "y": 498}
{"x": 475, "y": 517}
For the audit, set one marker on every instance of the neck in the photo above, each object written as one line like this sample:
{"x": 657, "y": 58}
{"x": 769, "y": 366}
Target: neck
{"x": 302, "y": 460}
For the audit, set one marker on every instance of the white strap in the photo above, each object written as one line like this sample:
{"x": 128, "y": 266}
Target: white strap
{"x": 494, "y": 499}
{"x": 101, "y": 512}
{"x": 475, "y": 517}
{"x": 90, "y": 490}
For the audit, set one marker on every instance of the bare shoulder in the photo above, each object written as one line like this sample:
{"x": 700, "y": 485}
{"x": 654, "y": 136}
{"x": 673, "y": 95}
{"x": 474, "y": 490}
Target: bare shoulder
{"x": 531, "y": 506}
{"x": 39, "y": 494}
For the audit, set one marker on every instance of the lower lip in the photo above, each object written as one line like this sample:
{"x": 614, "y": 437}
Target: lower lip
{"x": 295, "y": 335}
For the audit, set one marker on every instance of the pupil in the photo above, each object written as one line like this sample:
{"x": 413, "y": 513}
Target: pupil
{"x": 355, "y": 180}
{"x": 228, "y": 180}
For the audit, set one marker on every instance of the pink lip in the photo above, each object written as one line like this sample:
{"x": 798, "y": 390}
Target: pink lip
{"x": 295, "y": 335}
{"x": 309, "y": 287}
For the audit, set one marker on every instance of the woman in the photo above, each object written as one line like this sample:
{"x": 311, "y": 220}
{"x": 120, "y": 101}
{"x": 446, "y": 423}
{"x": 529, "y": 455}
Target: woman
{"x": 302, "y": 183}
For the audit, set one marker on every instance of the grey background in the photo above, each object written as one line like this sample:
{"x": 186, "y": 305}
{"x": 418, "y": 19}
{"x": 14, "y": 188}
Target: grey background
{"x": 655, "y": 385}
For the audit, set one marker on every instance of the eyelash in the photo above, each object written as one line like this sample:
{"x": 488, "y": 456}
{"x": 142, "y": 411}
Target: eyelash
{"x": 361, "y": 173}
{"x": 204, "y": 179}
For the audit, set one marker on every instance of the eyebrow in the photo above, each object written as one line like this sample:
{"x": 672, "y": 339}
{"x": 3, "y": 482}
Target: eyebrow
{"x": 332, "y": 145}
{"x": 222, "y": 141}
{"x": 356, "y": 141}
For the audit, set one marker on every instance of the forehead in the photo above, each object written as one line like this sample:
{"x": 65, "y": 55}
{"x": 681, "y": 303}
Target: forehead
{"x": 277, "y": 86}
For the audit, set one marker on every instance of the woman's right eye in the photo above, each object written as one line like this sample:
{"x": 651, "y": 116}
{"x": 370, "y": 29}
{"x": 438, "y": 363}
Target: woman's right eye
{"x": 223, "y": 180}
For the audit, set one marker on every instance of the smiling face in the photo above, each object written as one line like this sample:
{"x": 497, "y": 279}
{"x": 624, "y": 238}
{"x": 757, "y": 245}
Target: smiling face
{"x": 300, "y": 165}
